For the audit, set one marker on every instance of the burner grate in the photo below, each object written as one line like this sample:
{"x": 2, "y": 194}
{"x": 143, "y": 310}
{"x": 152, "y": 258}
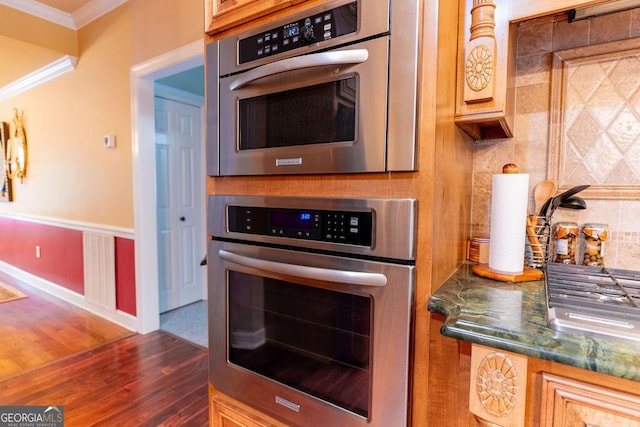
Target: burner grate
{"x": 593, "y": 299}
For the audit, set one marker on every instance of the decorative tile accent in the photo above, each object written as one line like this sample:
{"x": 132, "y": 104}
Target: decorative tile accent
{"x": 596, "y": 106}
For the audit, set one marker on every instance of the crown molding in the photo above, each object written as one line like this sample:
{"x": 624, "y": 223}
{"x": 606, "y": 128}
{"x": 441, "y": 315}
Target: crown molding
{"x": 94, "y": 10}
{"x": 41, "y": 11}
{"x": 81, "y": 17}
{"x": 54, "y": 69}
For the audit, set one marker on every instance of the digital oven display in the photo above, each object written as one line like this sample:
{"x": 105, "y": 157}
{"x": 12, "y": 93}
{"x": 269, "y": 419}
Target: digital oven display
{"x": 346, "y": 227}
{"x": 296, "y": 219}
{"x": 291, "y": 30}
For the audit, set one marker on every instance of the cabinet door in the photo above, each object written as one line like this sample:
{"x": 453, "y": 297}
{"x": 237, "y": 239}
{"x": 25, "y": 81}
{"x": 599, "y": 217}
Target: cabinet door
{"x": 568, "y": 403}
{"x": 225, "y": 412}
{"x": 221, "y": 15}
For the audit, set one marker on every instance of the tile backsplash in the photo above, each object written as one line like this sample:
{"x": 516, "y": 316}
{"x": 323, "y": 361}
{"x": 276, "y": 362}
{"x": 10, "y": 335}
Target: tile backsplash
{"x": 529, "y": 148}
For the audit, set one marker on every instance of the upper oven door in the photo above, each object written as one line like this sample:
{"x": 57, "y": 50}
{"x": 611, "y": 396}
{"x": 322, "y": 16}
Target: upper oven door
{"x": 323, "y": 112}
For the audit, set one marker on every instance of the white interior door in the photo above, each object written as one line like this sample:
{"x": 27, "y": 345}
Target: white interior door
{"x": 179, "y": 203}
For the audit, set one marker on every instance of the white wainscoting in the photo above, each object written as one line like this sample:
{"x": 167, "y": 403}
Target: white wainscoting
{"x": 99, "y": 269}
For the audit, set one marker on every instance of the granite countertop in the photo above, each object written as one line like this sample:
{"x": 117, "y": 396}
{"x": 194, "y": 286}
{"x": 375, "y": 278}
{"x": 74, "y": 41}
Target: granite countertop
{"x": 512, "y": 317}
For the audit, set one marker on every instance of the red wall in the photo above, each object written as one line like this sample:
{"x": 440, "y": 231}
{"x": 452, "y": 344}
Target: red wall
{"x": 61, "y": 260}
{"x": 125, "y": 276}
{"x": 61, "y": 257}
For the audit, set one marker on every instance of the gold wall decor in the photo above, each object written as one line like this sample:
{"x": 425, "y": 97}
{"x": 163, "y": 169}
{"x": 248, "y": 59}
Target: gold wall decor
{"x": 595, "y": 119}
{"x": 16, "y": 164}
{"x": 6, "y": 191}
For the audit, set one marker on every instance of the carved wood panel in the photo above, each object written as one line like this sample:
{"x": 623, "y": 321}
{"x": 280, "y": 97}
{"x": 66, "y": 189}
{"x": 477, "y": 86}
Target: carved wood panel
{"x": 498, "y": 387}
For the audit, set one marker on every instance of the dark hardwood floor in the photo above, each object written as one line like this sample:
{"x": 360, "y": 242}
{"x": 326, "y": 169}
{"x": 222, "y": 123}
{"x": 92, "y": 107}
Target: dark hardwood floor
{"x": 143, "y": 380}
{"x": 122, "y": 380}
{"x": 42, "y": 328}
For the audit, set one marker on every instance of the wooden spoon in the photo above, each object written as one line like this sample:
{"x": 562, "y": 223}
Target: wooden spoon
{"x": 543, "y": 191}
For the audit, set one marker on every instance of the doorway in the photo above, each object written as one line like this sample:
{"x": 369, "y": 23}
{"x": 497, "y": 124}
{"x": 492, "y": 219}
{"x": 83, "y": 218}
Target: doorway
{"x": 143, "y": 88}
{"x": 180, "y": 191}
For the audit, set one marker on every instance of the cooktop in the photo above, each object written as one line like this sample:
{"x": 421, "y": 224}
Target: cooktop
{"x": 593, "y": 300}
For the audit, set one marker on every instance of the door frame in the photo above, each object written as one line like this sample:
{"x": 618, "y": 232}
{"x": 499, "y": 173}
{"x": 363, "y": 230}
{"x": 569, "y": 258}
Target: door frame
{"x": 143, "y": 76}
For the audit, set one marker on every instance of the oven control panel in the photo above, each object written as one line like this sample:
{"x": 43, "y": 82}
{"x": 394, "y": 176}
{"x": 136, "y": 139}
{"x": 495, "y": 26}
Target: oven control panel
{"x": 302, "y": 32}
{"x": 348, "y": 227}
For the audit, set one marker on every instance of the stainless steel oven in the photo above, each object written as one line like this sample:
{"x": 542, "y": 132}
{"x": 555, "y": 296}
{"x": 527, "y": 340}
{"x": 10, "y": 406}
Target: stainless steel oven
{"x": 331, "y": 89}
{"x": 310, "y": 306}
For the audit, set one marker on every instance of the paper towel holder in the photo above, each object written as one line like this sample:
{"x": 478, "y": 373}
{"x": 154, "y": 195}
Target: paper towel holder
{"x": 528, "y": 273}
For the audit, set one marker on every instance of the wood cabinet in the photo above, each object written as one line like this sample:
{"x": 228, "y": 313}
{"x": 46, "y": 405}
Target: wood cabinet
{"x": 227, "y": 412}
{"x": 567, "y": 402}
{"x": 504, "y": 387}
{"x": 222, "y": 15}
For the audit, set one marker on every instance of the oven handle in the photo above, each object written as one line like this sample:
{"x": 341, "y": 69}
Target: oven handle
{"x": 305, "y": 272}
{"x": 339, "y": 57}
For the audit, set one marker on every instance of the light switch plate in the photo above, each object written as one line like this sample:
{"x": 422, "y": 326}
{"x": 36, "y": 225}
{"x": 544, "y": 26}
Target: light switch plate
{"x": 109, "y": 141}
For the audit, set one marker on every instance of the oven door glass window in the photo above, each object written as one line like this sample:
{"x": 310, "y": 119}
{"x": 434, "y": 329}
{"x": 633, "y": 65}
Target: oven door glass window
{"x": 315, "y": 114}
{"x": 312, "y": 339}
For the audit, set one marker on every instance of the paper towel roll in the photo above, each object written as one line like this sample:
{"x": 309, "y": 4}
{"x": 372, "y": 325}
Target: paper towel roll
{"x": 508, "y": 222}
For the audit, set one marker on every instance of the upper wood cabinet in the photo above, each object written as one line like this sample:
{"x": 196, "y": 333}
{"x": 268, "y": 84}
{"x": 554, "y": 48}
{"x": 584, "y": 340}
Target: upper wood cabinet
{"x": 222, "y": 15}
{"x": 485, "y": 100}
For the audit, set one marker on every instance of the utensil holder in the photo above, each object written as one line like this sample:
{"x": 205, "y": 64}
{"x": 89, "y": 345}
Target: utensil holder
{"x": 536, "y": 247}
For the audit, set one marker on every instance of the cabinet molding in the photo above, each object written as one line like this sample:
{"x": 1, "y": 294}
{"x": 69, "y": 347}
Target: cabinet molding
{"x": 480, "y": 53}
{"x": 566, "y": 402}
{"x": 485, "y": 103}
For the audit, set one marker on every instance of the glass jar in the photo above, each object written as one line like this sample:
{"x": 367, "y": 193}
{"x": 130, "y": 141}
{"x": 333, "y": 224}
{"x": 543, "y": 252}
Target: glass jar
{"x": 593, "y": 238}
{"x": 565, "y": 242}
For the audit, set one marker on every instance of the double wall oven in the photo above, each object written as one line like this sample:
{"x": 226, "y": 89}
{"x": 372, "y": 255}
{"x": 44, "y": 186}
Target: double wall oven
{"x": 331, "y": 89}
{"x": 310, "y": 306}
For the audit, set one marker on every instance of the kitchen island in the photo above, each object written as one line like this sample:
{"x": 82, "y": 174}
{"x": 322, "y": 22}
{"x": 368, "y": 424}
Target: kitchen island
{"x": 512, "y": 317}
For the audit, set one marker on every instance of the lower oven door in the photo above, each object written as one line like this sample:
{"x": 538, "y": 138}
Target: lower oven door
{"x": 307, "y": 337}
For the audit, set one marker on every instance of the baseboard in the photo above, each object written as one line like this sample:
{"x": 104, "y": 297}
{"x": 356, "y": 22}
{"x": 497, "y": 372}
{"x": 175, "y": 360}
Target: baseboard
{"x": 116, "y": 316}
